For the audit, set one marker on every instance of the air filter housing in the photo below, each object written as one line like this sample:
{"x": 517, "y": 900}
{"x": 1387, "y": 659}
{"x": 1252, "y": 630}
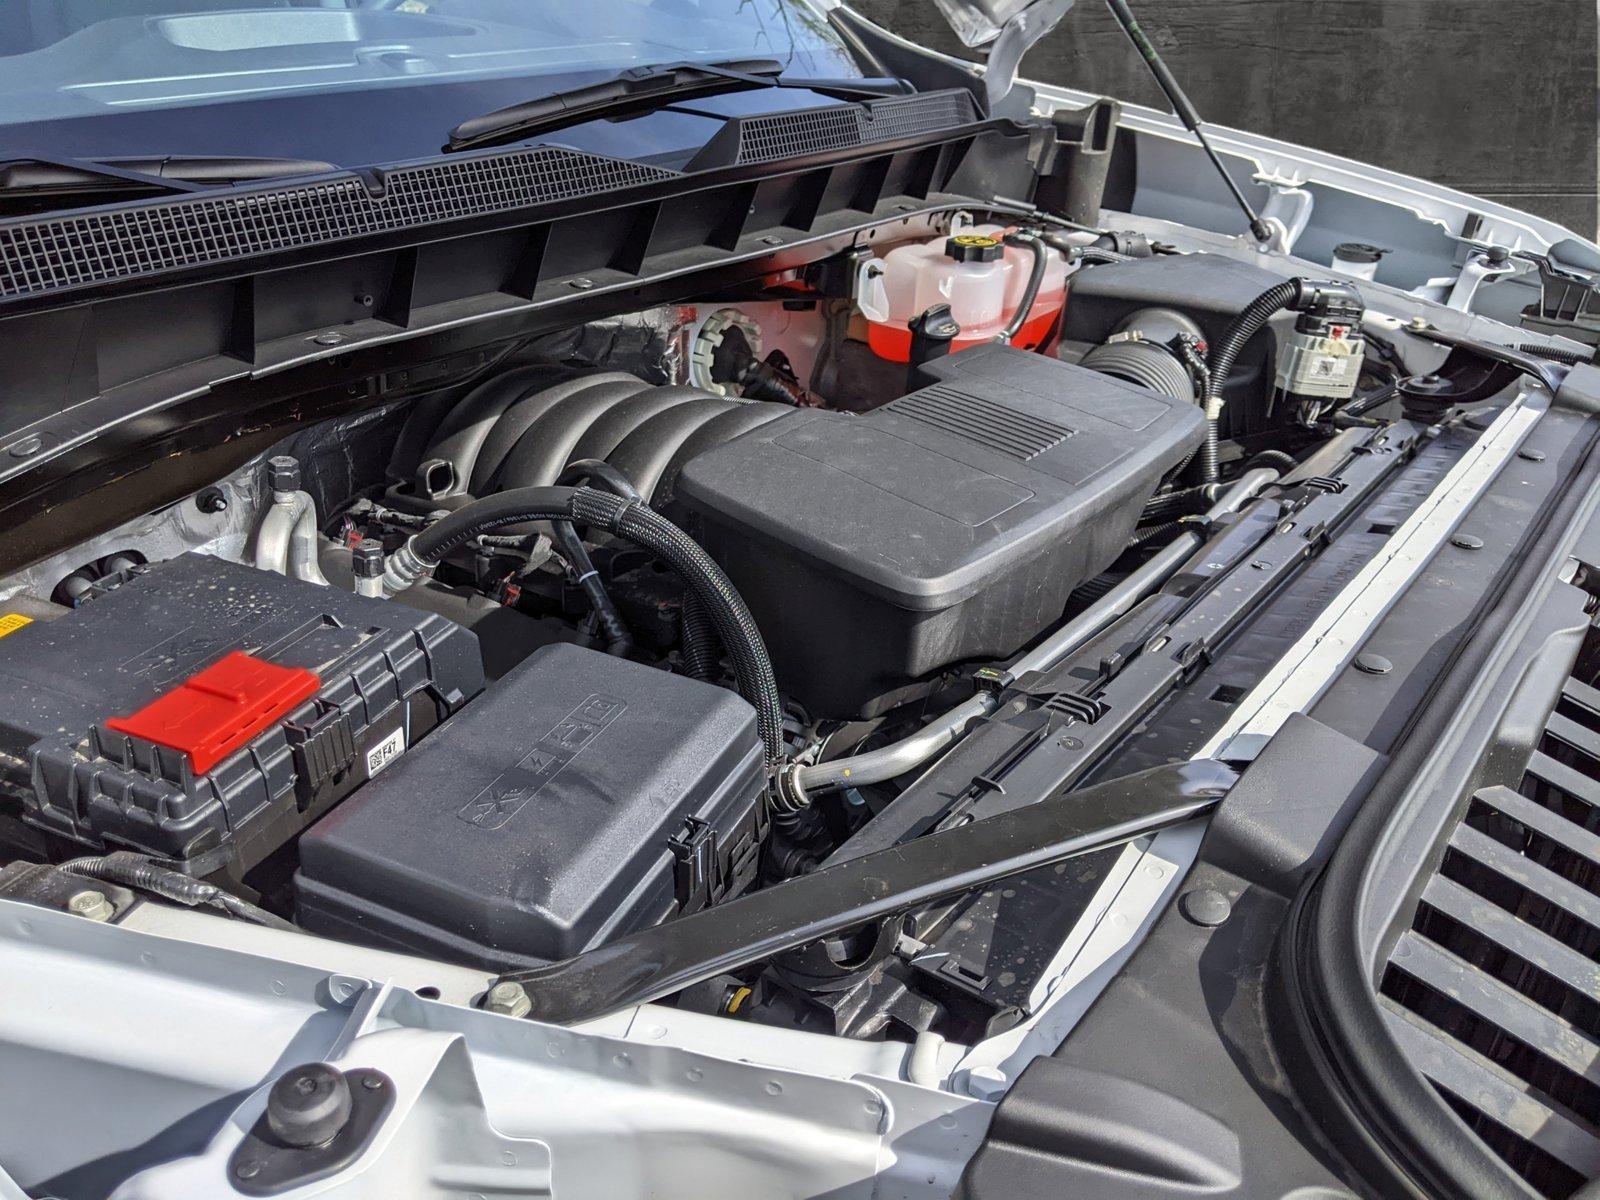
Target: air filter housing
{"x": 948, "y": 526}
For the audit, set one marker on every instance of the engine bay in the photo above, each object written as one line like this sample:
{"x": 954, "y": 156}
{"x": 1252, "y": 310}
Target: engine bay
{"x": 667, "y": 607}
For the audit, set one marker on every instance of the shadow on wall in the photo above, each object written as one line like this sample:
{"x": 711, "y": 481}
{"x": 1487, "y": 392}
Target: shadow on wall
{"x": 1494, "y": 97}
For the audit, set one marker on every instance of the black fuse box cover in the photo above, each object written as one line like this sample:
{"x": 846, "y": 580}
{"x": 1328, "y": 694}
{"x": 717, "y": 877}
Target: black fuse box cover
{"x": 581, "y": 797}
{"x": 388, "y": 675}
{"x": 949, "y": 525}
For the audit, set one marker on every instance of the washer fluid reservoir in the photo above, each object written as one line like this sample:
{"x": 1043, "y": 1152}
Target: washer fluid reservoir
{"x": 980, "y": 277}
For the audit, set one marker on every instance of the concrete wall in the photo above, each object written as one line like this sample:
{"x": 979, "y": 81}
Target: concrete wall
{"x": 1495, "y": 97}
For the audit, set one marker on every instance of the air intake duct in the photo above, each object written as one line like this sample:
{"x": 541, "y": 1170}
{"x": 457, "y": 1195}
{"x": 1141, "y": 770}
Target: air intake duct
{"x": 1156, "y": 348}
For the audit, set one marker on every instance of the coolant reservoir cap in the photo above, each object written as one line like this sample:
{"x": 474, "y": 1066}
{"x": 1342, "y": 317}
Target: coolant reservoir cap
{"x": 973, "y": 247}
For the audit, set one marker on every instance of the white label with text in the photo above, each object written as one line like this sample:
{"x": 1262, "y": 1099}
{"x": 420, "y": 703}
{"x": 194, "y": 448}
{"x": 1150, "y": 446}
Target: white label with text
{"x": 385, "y": 752}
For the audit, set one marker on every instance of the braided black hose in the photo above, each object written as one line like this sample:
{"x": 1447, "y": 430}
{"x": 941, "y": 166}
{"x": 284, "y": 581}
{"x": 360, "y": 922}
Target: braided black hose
{"x": 730, "y": 617}
{"x": 139, "y": 873}
{"x": 596, "y": 472}
{"x": 1157, "y": 533}
{"x": 618, "y": 640}
{"x": 699, "y": 639}
{"x": 1181, "y": 503}
{"x": 1226, "y": 353}
{"x": 1572, "y": 358}
{"x": 1281, "y": 459}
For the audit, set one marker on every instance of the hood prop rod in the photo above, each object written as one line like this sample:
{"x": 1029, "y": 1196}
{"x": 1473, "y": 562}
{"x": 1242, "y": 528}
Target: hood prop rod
{"x": 876, "y": 887}
{"x": 1185, "y": 110}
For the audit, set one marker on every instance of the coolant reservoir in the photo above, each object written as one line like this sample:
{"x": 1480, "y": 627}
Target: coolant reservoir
{"x": 980, "y": 277}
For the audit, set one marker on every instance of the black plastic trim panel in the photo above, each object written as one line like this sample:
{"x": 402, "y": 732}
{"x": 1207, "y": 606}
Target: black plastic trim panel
{"x": 1255, "y": 1057}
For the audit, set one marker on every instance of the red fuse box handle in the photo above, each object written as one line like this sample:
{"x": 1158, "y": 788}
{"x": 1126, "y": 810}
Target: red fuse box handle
{"x": 220, "y": 710}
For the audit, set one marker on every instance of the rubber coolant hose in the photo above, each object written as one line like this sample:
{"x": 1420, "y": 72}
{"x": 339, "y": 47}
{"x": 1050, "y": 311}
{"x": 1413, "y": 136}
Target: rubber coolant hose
{"x": 1030, "y": 291}
{"x": 645, "y": 528}
{"x": 1226, "y": 353}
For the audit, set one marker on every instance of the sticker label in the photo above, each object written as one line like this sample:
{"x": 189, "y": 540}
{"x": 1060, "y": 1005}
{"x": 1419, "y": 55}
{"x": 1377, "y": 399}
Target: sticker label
{"x": 386, "y": 751}
{"x": 11, "y": 622}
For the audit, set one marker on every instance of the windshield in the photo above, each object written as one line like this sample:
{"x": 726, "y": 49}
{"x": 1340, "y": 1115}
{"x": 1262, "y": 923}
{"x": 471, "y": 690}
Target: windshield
{"x": 348, "y": 81}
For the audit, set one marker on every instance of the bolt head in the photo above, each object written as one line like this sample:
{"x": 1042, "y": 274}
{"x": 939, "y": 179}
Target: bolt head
{"x": 91, "y": 905}
{"x": 283, "y": 473}
{"x": 508, "y": 999}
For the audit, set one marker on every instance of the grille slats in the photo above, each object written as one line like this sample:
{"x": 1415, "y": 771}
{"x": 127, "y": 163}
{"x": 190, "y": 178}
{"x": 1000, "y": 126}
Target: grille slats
{"x": 1586, "y": 696}
{"x": 1493, "y": 993}
{"x": 41, "y": 254}
{"x": 1476, "y": 1081}
{"x": 767, "y": 137}
{"x": 1492, "y": 1000}
{"x": 1564, "y": 778}
{"x": 1528, "y": 874}
{"x": 1580, "y": 737}
{"x": 1536, "y": 817}
{"x": 1494, "y": 923}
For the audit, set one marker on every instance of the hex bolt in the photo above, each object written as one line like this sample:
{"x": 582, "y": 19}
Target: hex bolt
{"x": 508, "y": 999}
{"x": 367, "y": 559}
{"x": 283, "y": 473}
{"x": 91, "y": 905}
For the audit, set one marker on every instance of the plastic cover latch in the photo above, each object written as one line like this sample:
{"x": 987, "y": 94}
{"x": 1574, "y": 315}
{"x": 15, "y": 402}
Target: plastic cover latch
{"x": 696, "y": 867}
{"x": 218, "y": 711}
{"x": 324, "y": 749}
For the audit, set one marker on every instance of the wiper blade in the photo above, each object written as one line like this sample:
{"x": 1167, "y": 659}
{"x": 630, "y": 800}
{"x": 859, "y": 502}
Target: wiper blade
{"x": 41, "y": 184}
{"x": 638, "y": 91}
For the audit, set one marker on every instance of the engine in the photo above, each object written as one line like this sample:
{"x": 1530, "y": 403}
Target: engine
{"x": 547, "y": 669}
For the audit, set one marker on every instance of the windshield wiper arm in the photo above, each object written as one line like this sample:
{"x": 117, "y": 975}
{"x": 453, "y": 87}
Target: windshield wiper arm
{"x": 40, "y": 184}
{"x": 637, "y": 91}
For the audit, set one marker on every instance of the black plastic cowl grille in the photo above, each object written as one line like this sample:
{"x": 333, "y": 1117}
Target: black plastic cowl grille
{"x": 1494, "y": 991}
{"x": 45, "y": 254}
{"x": 813, "y": 131}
